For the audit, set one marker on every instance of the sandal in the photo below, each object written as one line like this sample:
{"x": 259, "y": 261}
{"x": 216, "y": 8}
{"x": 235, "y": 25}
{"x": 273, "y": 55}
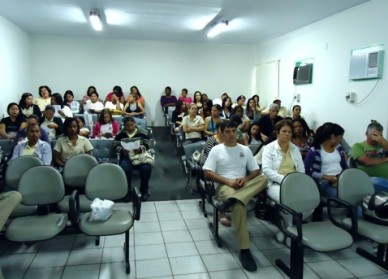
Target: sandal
{"x": 224, "y": 221}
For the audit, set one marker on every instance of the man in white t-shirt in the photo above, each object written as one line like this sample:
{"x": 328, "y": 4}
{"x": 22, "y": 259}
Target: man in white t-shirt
{"x": 227, "y": 166}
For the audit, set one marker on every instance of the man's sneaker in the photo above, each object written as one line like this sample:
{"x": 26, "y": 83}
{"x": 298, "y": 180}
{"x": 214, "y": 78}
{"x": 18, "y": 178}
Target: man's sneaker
{"x": 247, "y": 261}
{"x": 227, "y": 204}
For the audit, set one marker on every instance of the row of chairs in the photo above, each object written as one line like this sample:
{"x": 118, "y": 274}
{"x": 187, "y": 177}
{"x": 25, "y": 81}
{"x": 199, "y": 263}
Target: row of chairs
{"x": 42, "y": 186}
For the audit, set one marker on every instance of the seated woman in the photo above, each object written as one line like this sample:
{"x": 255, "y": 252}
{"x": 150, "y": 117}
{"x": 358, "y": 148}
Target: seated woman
{"x": 114, "y": 106}
{"x": 253, "y": 136}
{"x": 296, "y": 114}
{"x": 198, "y": 100}
{"x": 70, "y": 102}
{"x": 206, "y": 109}
{"x": 326, "y": 159}
{"x": 51, "y": 124}
{"x": 193, "y": 126}
{"x": 178, "y": 114}
{"x": 83, "y": 130}
{"x": 212, "y": 121}
{"x": 138, "y": 97}
{"x": 226, "y": 109}
{"x": 133, "y": 108}
{"x": 258, "y": 107}
{"x": 132, "y": 131}
{"x": 245, "y": 122}
{"x": 251, "y": 111}
{"x": 34, "y": 146}
{"x": 118, "y": 91}
{"x": 280, "y": 158}
{"x": 301, "y": 137}
{"x": 44, "y": 98}
{"x": 106, "y": 127}
{"x": 61, "y": 110}
{"x": 94, "y": 105}
{"x": 240, "y": 134}
{"x": 27, "y": 106}
{"x": 10, "y": 125}
{"x": 184, "y": 97}
{"x": 88, "y": 92}
{"x": 71, "y": 143}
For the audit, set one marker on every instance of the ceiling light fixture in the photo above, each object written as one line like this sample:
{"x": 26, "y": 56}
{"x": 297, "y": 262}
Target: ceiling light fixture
{"x": 95, "y": 21}
{"x": 219, "y": 27}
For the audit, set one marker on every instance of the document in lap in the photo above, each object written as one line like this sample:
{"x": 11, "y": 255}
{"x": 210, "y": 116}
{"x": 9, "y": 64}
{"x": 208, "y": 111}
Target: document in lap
{"x": 131, "y": 143}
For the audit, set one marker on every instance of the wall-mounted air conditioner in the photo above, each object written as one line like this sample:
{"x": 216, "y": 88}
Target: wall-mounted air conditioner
{"x": 366, "y": 65}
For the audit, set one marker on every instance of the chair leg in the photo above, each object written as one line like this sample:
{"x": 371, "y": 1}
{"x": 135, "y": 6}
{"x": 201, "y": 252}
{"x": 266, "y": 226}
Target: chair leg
{"x": 295, "y": 270}
{"x": 97, "y": 240}
{"x": 126, "y": 249}
{"x": 202, "y": 202}
{"x": 214, "y": 227}
{"x": 381, "y": 258}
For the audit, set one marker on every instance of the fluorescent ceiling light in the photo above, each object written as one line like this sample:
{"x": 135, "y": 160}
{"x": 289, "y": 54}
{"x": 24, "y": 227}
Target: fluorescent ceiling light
{"x": 116, "y": 17}
{"x": 95, "y": 21}
{"x": 218, "y": 28}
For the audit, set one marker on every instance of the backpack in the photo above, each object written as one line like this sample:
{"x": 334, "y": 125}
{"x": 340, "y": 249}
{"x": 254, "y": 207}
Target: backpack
{"x": 375, "y": 208}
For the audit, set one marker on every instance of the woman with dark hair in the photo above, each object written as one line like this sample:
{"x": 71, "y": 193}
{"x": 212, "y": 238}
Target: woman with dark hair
{"x": 83, "y": 130}
{"x": 326, "y": 159}
{"x": 133, "y": 107}
{"x": 212, "y": 121}
{"x": 27, "y": 106}
{"x": 106, "y": 127}
{"x": 44, "y": 97}
{"x": 89, "y": 91}
{"x": 197, "y": 100}
{"x": 257, "y": 99}
{"x": 119, "y": 93}
{"x": 245, "y": 122}
{"x": 10, "y": 125}
{"x": 301, "y": 138}
{"x": 61, "y": 110}
{"x": 132, "y": 131}
{"x": 70, "y": 102}
{"x": 253, "y": 136}
{"x": 226, "y": 109}
{"x": 206, "y": 109}
{"x": 178, "y": 114}
{"x": 51, "y": 124}
{"x": 138, "y": 96}
{"x": 71, "y": 143}
{"x": 251, "y": 111}
{"x": 94, "y": 105}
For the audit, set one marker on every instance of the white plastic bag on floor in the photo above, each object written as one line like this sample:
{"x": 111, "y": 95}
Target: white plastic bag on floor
{"x": 101, "y": 210}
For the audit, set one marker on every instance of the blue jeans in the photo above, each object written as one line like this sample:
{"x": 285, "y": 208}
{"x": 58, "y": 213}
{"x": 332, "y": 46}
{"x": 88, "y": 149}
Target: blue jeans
{"x": 144, "y": 171}
{"x": 380, "y": 184}
{"x": 327, "y": 189}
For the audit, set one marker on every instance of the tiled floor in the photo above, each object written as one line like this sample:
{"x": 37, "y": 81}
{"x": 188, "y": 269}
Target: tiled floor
{"x": 172, "y": 240}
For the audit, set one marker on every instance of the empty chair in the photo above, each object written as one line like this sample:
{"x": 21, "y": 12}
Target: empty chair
{"x": 108, "y": 181}
{"x": 190, "y": 166}
{"x": 299, "y": 193}
{"x": 15, "y": 169}
{"x": 353, "y": 186}
{"x": 74, "y": 175}
{"x": 39, "y": 186}
{"x": 103, "y": 150}
{"x": 6, "y": 148}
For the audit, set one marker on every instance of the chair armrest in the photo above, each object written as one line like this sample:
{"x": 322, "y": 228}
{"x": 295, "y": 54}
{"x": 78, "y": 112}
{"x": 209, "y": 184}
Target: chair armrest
{"x": 350, "y": 211}
{"x": 296, "y": 220}
{"x": 74, "y": 208}
{"x": 136, "y": 198}
{"x": 210, "y": 190}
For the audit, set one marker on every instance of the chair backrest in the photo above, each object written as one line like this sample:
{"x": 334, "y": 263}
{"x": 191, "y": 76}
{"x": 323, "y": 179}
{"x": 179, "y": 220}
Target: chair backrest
{"x": 182, "y": 134}
{"x": 41, "y": 185}
{"x": 103, "y": 150}
{"x": 76, "y": 169}
{"x": 141, "y": 122}
{"x": 119, "y": 120}
{"x": 351, "y": 162}
{"x": 189, "y": 149}
{"x": 354, "y": 185}
{"x": 255, "y": 148}
{"x": 106, "y": 181}
{"x": 6, "y": 147}
{"x": 299, "y": 192}
{"x": 17, "y": 167}
{"x": 169, "y": 113}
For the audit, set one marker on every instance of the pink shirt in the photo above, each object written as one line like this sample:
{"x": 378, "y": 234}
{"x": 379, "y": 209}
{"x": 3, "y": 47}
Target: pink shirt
{"x": 187, "y": 100}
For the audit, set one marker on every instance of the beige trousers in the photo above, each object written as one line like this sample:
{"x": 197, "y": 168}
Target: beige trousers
{"x": 239, "y": 212}
{"x": 8, "y": 202}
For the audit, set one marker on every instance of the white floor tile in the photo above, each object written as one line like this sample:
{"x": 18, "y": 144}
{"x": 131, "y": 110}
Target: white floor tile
{"x": 44, "y": 273}
{"x": 58, "y": 244}
{"x": 170, "y": 216}
{"x": 177, "y": 236}
{"x": 147, "y": 207}
{"x": 266, "y": 242}
{"x": 181, "y": 249}
{"x": 361, "y": 267}
{"x": 87, "y": 256}
{"x": 187, "y": 265}
{"x": 210, "y": 247}
{"x": 343, "y": 254}
{"x": 17, "y": 261}
{"x": 116, "y": 254}
{"x": 148, "y": 217}
{"x": 117, "y": 271}
{"x": 265, "y": 272}
{"x": 330, "y": 270}
{"x": 219, "y": 262}
{"x": 21, "y": 248}
{"x": 197, "y": 224}
{"x": 311, "y": 256}
{"x": 87, "y": 242}
{"x": 115, "y": 240}
{"x": 193, "y": 276}
{"x": 166, "y": 208}
{"x": 50, "y": 259}
{"x": 177, "y": 225}
{"x": 153, "y": 268}
{"x": 147, "y": 227}
{"x": 229, "y": 274}
{"x": 148, "y": 252}
{"x": 201, "y": 234}
{"x": 148, "y": 238}
{"x": 81, "y": 271}
{"x": 194, "y": 214}
{"x": 14, "y": 273}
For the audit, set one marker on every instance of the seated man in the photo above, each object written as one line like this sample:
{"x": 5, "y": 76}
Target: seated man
{"x": 22, "y": 134}
{"x": 227, "y": 165}
{"x": 371, "y": 156}
{"x": 52, "y": 125}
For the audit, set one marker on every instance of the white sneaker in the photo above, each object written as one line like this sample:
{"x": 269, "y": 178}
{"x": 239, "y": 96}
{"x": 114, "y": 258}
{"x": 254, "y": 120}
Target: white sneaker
{"x": 280, "y": 236}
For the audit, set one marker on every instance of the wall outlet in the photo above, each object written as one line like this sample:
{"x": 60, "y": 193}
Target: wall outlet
{"x": 297, "y": 97}
{"x": 350, "y": 97}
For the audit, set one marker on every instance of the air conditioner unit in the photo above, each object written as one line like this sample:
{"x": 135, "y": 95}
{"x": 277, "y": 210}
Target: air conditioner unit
{"x": 368, "y": 65}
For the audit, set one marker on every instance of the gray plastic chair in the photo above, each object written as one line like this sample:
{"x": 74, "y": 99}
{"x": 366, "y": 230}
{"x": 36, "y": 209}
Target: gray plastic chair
{"x": 15, "y": 169}
{"x": 74, "y": 175}
{"x": 40, "y": 185}
{"x": 353, "y": 186}
{"x": 108, "y": 181}
{"x": 189, "y": 166}
{"x": 299, "y": 193}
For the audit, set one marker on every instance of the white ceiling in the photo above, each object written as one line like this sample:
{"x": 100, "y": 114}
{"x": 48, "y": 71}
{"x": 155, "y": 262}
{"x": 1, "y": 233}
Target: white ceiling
{"x": 250, "y": 21}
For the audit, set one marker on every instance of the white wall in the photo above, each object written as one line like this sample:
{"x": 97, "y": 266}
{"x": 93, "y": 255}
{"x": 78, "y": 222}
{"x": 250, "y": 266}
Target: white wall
{"x": 330, "y": 42}
{"x": 15, "y": 64}
{"x": 75, "y": 63}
